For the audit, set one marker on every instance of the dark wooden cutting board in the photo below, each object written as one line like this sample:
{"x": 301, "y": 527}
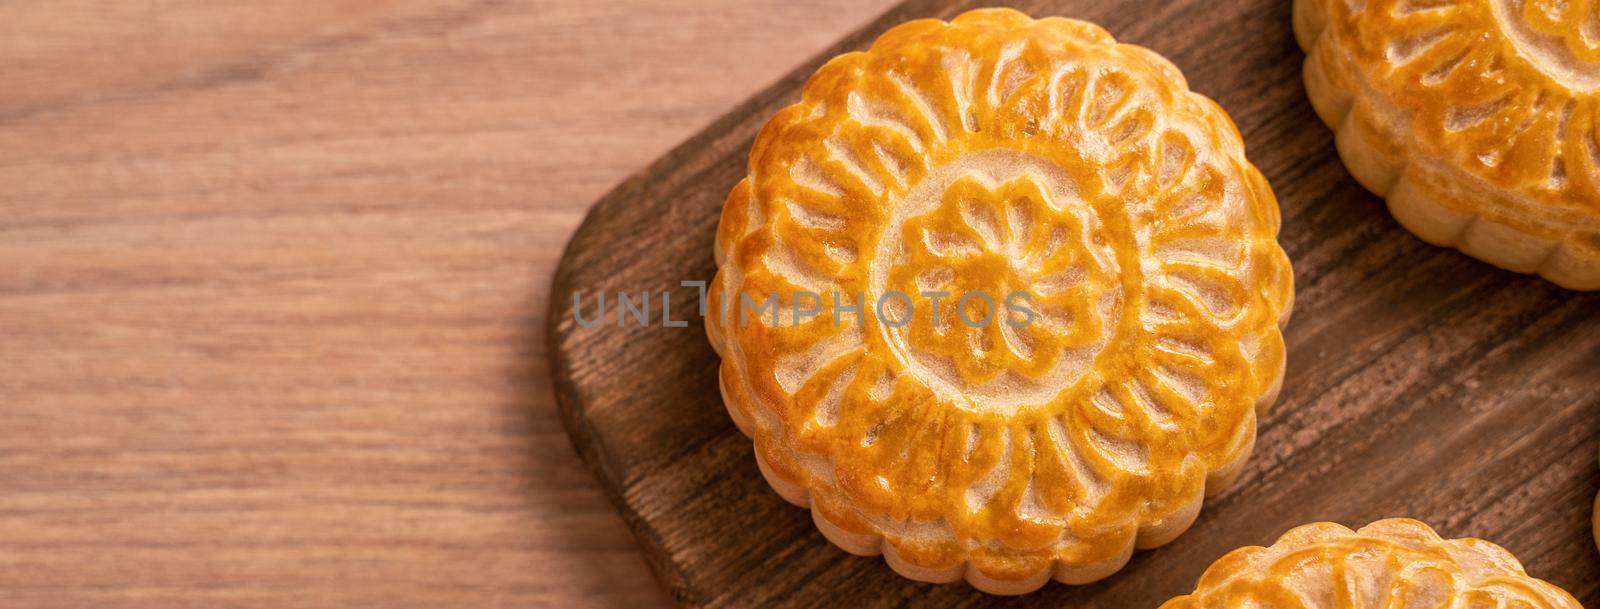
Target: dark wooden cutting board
{"x": 1420, "y": 382}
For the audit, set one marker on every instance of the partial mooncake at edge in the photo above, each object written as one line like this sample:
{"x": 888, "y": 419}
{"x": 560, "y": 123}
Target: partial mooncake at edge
{"x": 1389, "y": 564}
{"x": 1478, "y": 120}
{"x": 998, "y": 154}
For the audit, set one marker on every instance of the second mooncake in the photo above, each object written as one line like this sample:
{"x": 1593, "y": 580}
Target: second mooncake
{"x": 1000, "y": 299}
{"x": 1478, "y": 121}
{"x": 1390, "y": 564}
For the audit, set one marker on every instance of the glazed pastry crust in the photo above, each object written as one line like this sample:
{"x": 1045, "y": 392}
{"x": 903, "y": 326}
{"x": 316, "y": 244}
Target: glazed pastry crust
{"x": 1389, "y": 564}
{"x": 996, "y": 153}
{"x": 1477, "y": 120}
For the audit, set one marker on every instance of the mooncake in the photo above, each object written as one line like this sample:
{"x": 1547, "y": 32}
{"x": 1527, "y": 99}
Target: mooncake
{"x": 1478, "y": 121}
{"x": 1389, "y": 564}
{"x": 1132, "y": 296}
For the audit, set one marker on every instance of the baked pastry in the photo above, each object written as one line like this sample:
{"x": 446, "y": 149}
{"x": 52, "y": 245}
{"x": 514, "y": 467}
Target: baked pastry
{"x": 1478, "y": 120}
{"x": 998, "y": 155}
{"x": 1389, "y": 564}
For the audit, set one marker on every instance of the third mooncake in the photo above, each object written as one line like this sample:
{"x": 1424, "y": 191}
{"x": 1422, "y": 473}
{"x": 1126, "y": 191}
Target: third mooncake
{"x": 1478, "y": 120}
{"x": 997, "y": 154}
{"x": 1389, "y": 564}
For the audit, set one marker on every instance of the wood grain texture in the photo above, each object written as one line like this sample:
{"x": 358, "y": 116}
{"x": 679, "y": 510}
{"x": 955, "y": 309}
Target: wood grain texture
{"x": 1420, "y": 382}
{"x": 273, "y": 281}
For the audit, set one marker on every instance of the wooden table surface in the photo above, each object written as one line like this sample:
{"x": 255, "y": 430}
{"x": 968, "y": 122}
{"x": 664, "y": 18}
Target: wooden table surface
{"x": 1419, "y": 382}
{"x": 273, "y": 280}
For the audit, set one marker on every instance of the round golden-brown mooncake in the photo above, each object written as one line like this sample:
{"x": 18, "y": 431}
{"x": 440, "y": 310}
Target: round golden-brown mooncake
{"x": 1478, "y": 120}
{"x": 999, "y": 155}
{"x": 1389, "y": 564}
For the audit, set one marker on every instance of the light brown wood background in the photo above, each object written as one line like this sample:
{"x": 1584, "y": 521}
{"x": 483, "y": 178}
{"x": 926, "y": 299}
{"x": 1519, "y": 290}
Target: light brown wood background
{"x": 273, "y": 278}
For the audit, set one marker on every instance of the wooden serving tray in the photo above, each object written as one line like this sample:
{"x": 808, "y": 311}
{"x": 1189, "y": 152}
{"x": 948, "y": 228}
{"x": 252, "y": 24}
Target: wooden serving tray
{"x": 1420, "y": 382}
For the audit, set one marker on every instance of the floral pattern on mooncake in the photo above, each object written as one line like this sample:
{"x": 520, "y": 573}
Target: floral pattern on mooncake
{"x": 1130, "y": 329}
{"x": 1478, "y": 121}
{"x": 1389, "y": 564}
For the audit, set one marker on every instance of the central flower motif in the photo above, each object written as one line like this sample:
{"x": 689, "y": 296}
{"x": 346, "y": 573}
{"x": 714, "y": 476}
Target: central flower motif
{"x": 1017, "y": 287}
